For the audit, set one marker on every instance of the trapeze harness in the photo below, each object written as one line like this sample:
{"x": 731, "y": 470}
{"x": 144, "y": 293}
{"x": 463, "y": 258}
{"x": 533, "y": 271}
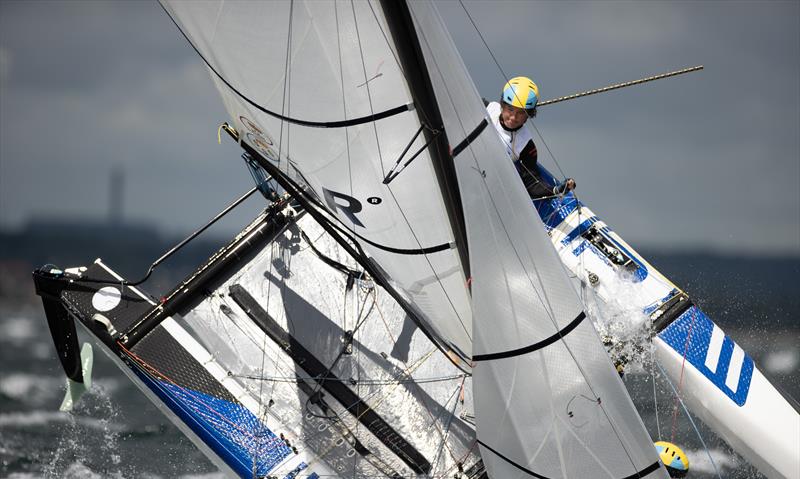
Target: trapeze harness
{"x": 520, "y": 146}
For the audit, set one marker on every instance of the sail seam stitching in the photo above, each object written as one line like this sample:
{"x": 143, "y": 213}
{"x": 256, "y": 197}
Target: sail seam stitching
{"x": 535, "y": 346}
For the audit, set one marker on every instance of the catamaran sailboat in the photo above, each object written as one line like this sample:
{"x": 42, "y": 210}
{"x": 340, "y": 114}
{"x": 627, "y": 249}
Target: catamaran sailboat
{"x": 292, "y": 351}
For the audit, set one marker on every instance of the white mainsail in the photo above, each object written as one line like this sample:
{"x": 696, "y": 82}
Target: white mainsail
{"x": 357, "y": 103}
{"x": 312, "y": 116}
{"x": 548, "y": 402}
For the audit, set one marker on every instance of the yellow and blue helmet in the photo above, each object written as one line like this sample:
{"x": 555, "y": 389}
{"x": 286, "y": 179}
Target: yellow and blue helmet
{"x": 521, "y": 92}
{"x": 671, "y": 455}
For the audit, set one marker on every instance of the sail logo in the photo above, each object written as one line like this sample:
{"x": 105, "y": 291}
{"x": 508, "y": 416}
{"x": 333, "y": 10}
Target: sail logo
{"x": 723, "y": 362}
{"x": 260, "y": 140}
{"x": 348, "y": 205}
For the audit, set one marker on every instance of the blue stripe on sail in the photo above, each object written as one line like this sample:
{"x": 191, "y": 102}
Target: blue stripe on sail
{"x": 675, "y": 336}
{"x": 229, "y": 429}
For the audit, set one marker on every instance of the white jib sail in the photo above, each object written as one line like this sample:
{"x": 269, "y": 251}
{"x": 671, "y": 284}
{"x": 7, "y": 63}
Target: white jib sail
{"x": 548, "y": 402}
{"x": 315, "y": 87}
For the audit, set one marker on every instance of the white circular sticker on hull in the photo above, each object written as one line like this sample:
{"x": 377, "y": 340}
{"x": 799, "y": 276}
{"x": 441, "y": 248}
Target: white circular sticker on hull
{"x": 106, "y": 299}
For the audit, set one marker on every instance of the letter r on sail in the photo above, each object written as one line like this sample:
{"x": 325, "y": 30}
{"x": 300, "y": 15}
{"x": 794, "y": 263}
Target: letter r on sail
{"x": 350, "y": 206}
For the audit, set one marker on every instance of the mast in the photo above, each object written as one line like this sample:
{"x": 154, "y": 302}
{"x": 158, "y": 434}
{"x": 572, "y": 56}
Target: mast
{"x": 412, "y": 62}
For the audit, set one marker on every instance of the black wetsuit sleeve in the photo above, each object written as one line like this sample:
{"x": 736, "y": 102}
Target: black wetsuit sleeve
{"x": 529, "y": 172}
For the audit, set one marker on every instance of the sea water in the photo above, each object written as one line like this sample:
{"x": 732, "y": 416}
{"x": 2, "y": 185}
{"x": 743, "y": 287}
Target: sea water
{"x": 116, "y": 432}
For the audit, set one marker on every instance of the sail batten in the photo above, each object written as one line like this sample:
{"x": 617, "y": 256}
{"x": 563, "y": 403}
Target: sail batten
{"x": 533, "y": 347}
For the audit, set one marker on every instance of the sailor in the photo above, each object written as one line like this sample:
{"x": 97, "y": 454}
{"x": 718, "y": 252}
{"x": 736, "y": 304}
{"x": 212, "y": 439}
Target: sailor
{"x": 517, "y": 103}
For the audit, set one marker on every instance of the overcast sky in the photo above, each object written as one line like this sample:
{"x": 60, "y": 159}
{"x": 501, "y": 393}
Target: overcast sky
{"x": 709, "y": 160}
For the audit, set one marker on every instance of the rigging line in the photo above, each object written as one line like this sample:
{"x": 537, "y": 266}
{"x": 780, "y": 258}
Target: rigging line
{"x": 369, "y": 92}
{"x": 382, "y": 391}
{"x": 324, "y": 377}
{"x": 358, "y": 357}
{"x": 406, "y": 372}
{"x": 484, "y": 41}
{"x": 344, "y": 308}
{"x": 460, "y": 460}
{"x": 329, "y": 261}
{"x": 655, "y": 394}
{"x": 405, "y": 150}
{"x": 622, "y": 85}
{"x": 262, "y": 413}
{"x": 446, "y": 432}
{"x": 434, "y": 420}
{"x": 686, "y": 411}
{"x": 344, "y": 103}
{"x": 415, "y": 382}
{"x": 296, "y": 121}
{"x": 433, "y": 270}
{"x": 547, "y": 147}
{"x": 417, "y": 104}
{"x": 180, "y": 245}
{"x": 286, "y": 79}
{"x": 383, "y": 319}
{"x": 680, "y": 381}
{"x": 284, "y": 104}
{"x": 370, "y": 382}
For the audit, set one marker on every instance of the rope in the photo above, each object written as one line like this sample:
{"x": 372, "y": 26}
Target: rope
{"x": 620, "y": 85}
{"x": 443, "y": 441}
{"x": 680, "y": 381}
{"x": 655, "y": 397}
{"x": 320, "y": 383}
{"x": 331, "y": 262}
{"x": 368, "y": 382}
{"x": 696, "y": 430}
